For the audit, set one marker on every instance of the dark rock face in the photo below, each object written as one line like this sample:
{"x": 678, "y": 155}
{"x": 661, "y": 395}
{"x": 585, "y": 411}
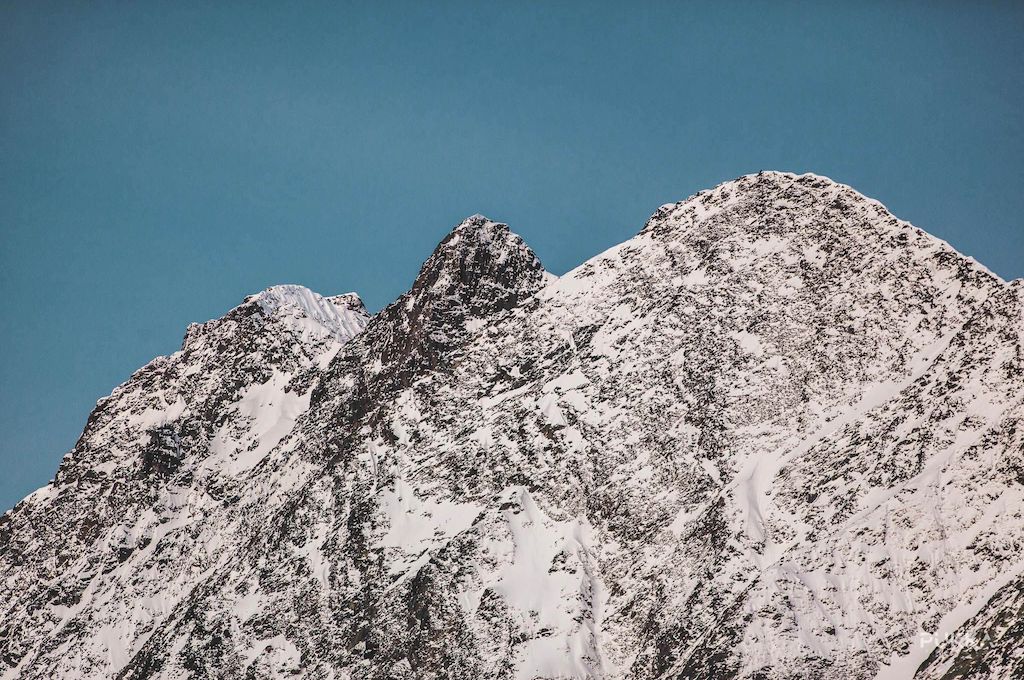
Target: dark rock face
{"x": 478, "y": 271}
{"x": 778, "y": 434}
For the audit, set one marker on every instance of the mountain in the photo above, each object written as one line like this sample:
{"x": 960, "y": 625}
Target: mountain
{"x": 777, "y": 434}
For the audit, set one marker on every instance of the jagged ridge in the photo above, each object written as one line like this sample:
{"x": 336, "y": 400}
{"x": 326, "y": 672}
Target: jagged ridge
{"x": 775, "y": 435}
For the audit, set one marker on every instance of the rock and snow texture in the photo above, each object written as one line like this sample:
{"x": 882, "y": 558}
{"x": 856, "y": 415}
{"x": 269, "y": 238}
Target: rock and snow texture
{"x": 778, "y": 434}
{"x": 341, "y": 316}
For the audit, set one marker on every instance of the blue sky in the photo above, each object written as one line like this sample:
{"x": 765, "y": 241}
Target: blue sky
{"x": 158, "y": 162}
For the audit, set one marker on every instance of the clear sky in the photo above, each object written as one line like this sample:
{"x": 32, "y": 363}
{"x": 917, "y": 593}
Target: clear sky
{"x": 158, "y": 162}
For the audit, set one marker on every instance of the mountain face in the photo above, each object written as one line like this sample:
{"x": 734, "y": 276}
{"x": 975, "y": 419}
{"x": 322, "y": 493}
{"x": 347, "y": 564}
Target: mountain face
{"x": 777, "y": 434}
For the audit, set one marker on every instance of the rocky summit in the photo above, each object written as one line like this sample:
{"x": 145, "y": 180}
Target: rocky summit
{"x": 778, "y": 434}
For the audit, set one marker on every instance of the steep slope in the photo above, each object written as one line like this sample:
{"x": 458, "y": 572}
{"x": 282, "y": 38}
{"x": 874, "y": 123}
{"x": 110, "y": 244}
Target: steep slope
{"x": 693, "y": 394}
{"x": 169, "y": 449}
{"x": 775, "y": 435}
{"x": 987, "y": 646}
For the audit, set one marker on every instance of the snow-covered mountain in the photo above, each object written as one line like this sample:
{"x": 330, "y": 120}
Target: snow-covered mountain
{"x": 777, "y": 434}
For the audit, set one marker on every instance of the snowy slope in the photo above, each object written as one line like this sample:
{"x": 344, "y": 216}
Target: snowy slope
{"x": 777, "y": 434}
{"x": 111, "y": 540}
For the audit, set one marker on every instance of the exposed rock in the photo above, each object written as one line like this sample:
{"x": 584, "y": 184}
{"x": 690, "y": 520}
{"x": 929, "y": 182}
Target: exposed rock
{"x": 777, "y": 434}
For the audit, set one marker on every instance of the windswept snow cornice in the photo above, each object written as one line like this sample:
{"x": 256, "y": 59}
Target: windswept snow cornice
{"x": 343, "y": 316}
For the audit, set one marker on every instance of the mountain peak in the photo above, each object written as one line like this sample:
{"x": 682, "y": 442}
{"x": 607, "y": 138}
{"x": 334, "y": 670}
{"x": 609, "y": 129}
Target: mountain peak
{"x": 342, "y": 316}
{"x": 479, "y": 269}
{"x": 762, "y": 186}
{"x": 483, "y": 264}
{"x": 477, "y": 220}
{"x": 805, "y": 215}
{"x": 736, "y": 445}
{"x": 480, "y": 228}
{"x": 350, "y": 301}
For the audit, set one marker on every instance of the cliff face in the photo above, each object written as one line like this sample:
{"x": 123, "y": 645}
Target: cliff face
{"x": 777, "y": 434}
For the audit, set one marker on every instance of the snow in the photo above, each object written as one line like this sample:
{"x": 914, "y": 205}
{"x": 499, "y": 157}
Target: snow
{"x": 343, "y": 316}
{"x": 748, "y": 342}
{"x": 764, "y": 401}
{"x": 546, "y": 597}
{"x": 415, "y": 524}
{"x": 268, "y": 412}
{"x": 899, "y": 667}
{"x": 569, "y": 381}
{"x": 698, "y": 277}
